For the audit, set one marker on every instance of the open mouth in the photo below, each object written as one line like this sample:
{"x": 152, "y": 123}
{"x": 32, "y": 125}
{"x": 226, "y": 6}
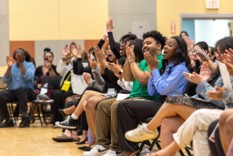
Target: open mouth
{"x": 46, "y": 59}
{"x": 146, "y": 50}
{"x": 165, "y": 52}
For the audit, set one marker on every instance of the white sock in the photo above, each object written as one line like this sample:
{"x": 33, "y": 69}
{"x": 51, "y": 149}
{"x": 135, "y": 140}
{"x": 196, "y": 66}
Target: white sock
{"x": 73, "y": 116}
{"x": 145, "y": 127}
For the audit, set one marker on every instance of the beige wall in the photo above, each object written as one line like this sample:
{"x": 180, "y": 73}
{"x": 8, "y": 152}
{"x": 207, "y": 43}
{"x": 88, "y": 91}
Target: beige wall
{"x": 57, "y": 19}
{"x": 171, "y": 10}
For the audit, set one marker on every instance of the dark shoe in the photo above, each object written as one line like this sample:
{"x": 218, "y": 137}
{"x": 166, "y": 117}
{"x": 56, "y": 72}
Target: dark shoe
{"x": 7, "y": 123}
{"x": 61, "y": 111}
{"x": 25, "y": 122}
{"x": 85, "y": 148}
{"x": 63, "y": 138}
{"x": 68, "y": 123}
{"x": 81, "y": 142}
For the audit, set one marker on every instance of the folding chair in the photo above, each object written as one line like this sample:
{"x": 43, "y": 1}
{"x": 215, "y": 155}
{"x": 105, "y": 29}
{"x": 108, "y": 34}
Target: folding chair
{"x": 38, "y": 105}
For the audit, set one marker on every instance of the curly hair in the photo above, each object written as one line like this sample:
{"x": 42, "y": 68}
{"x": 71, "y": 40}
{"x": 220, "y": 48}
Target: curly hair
{"x": 156, "y": 35}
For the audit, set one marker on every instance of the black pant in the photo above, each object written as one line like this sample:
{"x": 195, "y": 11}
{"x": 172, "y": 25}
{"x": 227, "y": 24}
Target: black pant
{"x": 129, "y": 114}
{"x": 59, "y": 102}
{"x": 215, "y": 148}
{"x": 21, "y": 96}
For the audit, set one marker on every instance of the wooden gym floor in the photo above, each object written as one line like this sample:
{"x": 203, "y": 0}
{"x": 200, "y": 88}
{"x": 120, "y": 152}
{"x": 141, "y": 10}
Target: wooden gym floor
{"x": 35, "y": 141}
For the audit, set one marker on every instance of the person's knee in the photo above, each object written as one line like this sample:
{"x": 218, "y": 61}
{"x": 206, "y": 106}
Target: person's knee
{"x": 89, "y": 104}
{"x": 114, "y": 105}
{"x": 223, "y": 118}
{"x": 229, "y": 124}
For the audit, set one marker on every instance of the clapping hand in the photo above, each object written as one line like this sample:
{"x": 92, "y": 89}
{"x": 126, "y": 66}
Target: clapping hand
{"x": 87, "y": 77}
{"x": 19, "y": 58}
{"x": 194, "y": 77}
{"x": 92, "y": 62}
{"x": 216, "y": 95}
{"x": 151, "y": 61}
{"x": 99, "y": 55}
{"x": 130, "y": 53}
{"x": 9, "y": 61}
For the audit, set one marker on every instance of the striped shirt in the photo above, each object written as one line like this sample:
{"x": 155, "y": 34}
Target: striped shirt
{"x": 172, "y": 82}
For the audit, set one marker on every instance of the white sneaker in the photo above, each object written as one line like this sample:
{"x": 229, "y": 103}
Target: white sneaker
{"x": 140, "y": 134}
{"x": 110, "y": 153}
{"x": 97, "y": 150}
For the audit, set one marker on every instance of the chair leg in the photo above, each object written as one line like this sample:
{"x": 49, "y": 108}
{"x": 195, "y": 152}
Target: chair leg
{"x": 43, "y": 114}
{"x": 36, "y": 107}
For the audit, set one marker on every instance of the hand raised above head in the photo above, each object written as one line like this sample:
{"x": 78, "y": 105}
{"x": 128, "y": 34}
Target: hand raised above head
{"x": 109, "y": 25}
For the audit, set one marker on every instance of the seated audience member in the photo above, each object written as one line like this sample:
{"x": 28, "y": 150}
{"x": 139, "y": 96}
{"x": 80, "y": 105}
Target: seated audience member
{"x": 223, "y": 133}
{"x": 106, "y": 109}
{"x": 47, "y": 69}
{"x": 111, "y": 82}
{"x": 70, "y": 67}
{"x": 20, "y": 79}
{"x": 194, "y": 127}
{"x": 98, "y": 84}
{"x": 190, "y": 43}
{"x": 169, "y": 81}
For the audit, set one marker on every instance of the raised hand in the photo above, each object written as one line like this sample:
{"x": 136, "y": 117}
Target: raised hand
{"x": 19, "y": 58}
{"x": 87, "y": 77}
{"x": 109, "y": 25}
{"x": 202, "y": 56}
{"x": 194, "y": 77}
{"x": 92, "y": 62}
{"x": 130, "y": 53}
{"x": 151, "y": 61}
{"x": 216, "y": 95}
{"x": 116, "y": 68}
{"x": 9, "y": 61}
{"x": 99, "y": 55}
{"x": 205, "y": 71}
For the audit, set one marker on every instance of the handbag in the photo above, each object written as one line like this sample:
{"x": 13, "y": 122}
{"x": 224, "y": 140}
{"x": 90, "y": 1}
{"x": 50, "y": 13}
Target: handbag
{"x": 66, "y": 84}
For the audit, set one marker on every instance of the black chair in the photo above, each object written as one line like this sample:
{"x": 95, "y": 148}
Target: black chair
{"x": 187, "y": 151}
{"x": 38, "y": 106}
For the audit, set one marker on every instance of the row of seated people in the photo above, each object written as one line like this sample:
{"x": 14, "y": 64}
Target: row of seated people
{"x": 24, "y": 82}
{"x": 153, "y": 80}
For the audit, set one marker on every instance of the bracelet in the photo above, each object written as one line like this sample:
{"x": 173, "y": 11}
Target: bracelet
{"x": 131, "y": 62}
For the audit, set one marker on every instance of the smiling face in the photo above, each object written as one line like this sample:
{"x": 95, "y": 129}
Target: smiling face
{"x": 170, "y": 49}
{"x": 48, "y": 58}
{"x": 150, "y": 45}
